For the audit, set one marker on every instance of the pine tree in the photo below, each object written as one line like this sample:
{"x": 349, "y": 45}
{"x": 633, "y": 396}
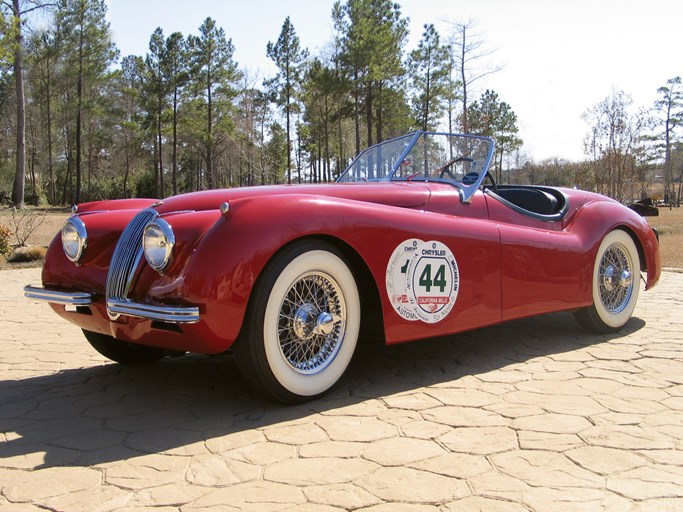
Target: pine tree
{"x": 158, "y": 89}
{"x": 42, "y": 56}
{"x": 289, "y": 57}
{"x": 87, "y": 51}
{"x": 429, "y": 73}
{"x": 175, "y": 67}
{"x": 13, "y": 18}
{"x": 492, "y": 117}
{"x": 215, "y": 73}
{"x": 131, "y": 134}
{"x": 374, "y": 33}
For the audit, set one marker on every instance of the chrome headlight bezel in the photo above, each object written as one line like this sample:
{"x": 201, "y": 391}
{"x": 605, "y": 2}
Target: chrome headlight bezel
{"x": 158, "y": 241}
{"x": 74, "y": 239}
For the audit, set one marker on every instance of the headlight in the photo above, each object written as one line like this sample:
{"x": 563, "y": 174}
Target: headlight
{"x": 74, "y": 238}
{"x": 157, "y": 242}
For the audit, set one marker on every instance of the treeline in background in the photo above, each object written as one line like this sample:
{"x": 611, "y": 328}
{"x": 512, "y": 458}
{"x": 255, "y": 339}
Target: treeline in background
{"x": 79, "y": 122}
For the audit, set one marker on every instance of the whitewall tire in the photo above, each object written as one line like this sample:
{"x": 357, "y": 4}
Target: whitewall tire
{"x": 303, "y": 323}
{"x": 615, "y": 284}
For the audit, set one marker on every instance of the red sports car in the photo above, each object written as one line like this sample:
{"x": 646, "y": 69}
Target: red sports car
{"x": 414, "y": 240}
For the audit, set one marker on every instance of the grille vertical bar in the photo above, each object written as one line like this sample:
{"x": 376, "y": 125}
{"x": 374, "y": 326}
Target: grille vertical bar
{"x": 127, "y": 255}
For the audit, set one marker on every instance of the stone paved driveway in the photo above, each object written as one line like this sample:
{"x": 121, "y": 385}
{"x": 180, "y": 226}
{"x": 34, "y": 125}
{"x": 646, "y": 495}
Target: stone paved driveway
{"x": 533, "y": 415}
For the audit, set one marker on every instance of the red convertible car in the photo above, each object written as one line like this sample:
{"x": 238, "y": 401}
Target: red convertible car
{"x": 414, "y": 240}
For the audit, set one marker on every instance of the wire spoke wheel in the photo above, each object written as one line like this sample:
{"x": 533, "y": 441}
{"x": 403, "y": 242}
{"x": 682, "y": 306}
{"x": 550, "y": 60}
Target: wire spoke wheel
{"x": 615, "y": 284}
{"x": 312, "y": 322}
{"x": 303, "y": 323}
{"x": 616, "y": 278}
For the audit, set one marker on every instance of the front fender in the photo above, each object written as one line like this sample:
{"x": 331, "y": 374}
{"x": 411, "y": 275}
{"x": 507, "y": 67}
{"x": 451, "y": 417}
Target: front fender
{"x": 226, "y": 263}
{"x": 222, "y": 270}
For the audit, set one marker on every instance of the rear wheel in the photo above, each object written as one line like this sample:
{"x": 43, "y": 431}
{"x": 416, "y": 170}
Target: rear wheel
{"x": 616, "y": 281}
{"x": 122, "y": 352}
{"x": 302, "y": 325}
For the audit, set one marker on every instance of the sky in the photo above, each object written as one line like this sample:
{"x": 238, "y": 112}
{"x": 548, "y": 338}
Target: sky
{"x": 558, "y": 58}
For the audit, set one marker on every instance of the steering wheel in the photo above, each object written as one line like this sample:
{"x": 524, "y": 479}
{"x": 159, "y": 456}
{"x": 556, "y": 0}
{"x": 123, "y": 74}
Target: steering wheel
{"x": 445, "y": 169}
{"x": 472, "y": 177}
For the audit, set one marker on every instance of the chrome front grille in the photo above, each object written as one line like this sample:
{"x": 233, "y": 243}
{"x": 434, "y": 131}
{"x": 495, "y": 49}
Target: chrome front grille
{"x": 126, "y": 256}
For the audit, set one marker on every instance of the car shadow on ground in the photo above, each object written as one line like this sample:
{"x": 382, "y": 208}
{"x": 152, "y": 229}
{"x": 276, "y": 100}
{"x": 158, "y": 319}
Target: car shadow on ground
{"x": 108, "y": 413}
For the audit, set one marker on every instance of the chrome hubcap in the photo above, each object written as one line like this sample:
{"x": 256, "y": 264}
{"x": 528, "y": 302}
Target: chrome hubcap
{"x": 303, "y": 321}
{"x": 324, "y": 324}
{"x": 615, "y": 278}
{"x": 312, "y": 322}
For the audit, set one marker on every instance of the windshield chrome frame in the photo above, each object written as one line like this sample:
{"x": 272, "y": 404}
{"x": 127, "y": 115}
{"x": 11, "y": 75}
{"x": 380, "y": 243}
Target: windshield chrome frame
{"x": 466, "y": 191}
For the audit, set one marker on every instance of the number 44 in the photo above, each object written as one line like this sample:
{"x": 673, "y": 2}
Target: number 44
{"x": 439, "y": 280}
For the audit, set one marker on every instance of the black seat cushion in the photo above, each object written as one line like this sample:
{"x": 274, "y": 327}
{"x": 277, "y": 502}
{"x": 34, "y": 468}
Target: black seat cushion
{"x": 531, "y": 199}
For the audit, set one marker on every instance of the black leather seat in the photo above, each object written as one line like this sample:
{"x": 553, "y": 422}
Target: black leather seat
{"x": 531, "y": 199}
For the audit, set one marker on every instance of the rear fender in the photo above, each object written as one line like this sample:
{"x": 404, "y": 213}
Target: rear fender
{"x": 595, "y": 219}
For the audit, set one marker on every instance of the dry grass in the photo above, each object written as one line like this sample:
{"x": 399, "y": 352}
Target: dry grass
{"x": 669, "y": 224}
{"x": 670, "y": 227}
{"x": 41, "y": 236}
{"x": 27, "y": 254}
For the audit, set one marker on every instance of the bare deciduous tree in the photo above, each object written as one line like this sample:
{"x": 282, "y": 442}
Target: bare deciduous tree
{"x": 470, "y": 55}
{"x": 670, "y": 105}
{"x": 615, "y": 145}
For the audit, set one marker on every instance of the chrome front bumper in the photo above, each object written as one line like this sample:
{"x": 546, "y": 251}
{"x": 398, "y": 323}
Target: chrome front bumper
{"x": 64, "y": 298}
{"x": 169, "y": 314}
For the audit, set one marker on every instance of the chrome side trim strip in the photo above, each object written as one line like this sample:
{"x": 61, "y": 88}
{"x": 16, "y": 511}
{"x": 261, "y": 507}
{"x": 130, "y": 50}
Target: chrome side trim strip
{"x": 56, "y": 297}
{"x": 170, "y": 314}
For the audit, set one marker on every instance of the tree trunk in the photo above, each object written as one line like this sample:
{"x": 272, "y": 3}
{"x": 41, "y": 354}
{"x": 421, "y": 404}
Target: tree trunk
{"x": 79, "y": 95}
{"x": 327, "y": 175}
{"x": 20, "y": 174}
{"x": 356, "y": 108}
{"x": 465, "y": 123}
{"x": 53, "y": 192}
{"x": 425, "y": 120}
{"x": 380, "y": 135}
{"x": 68, "y": 179}
{"x": 127, "y": 173}
{"x": 160, "y": 181}
{"x": 209, "y": 149}
{"x": 175, "y": 141}
{"x": 368, "y": 120}
{"x": 288, "y": 112}
{"x": 32, "y": 156}
{"x": 368, "y": 112}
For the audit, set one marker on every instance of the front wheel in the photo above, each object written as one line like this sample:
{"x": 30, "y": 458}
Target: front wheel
{"x": 122, "y": 352}
{"x": 616, "y": 276}
{"x": 303, "y": 323}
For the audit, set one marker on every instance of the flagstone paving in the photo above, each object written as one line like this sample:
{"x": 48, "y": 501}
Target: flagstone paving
{"x": 533, "y": 415}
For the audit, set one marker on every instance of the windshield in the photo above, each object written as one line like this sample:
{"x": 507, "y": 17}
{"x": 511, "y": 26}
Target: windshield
{"x": 462, "y": 160}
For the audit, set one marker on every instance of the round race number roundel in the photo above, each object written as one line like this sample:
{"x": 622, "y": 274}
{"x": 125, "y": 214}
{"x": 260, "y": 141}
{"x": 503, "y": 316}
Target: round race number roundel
{"x": 422, "y": 280}
{"x": 397, "y": 270}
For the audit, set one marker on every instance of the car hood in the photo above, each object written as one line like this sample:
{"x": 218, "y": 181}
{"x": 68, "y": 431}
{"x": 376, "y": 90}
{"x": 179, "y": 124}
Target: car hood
{"x": 405, "y": 195}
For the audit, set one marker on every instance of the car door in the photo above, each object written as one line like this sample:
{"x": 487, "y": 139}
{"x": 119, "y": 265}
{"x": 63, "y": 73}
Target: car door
{"x": 442, "y": 269}
{"x": 540, "y": 263}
